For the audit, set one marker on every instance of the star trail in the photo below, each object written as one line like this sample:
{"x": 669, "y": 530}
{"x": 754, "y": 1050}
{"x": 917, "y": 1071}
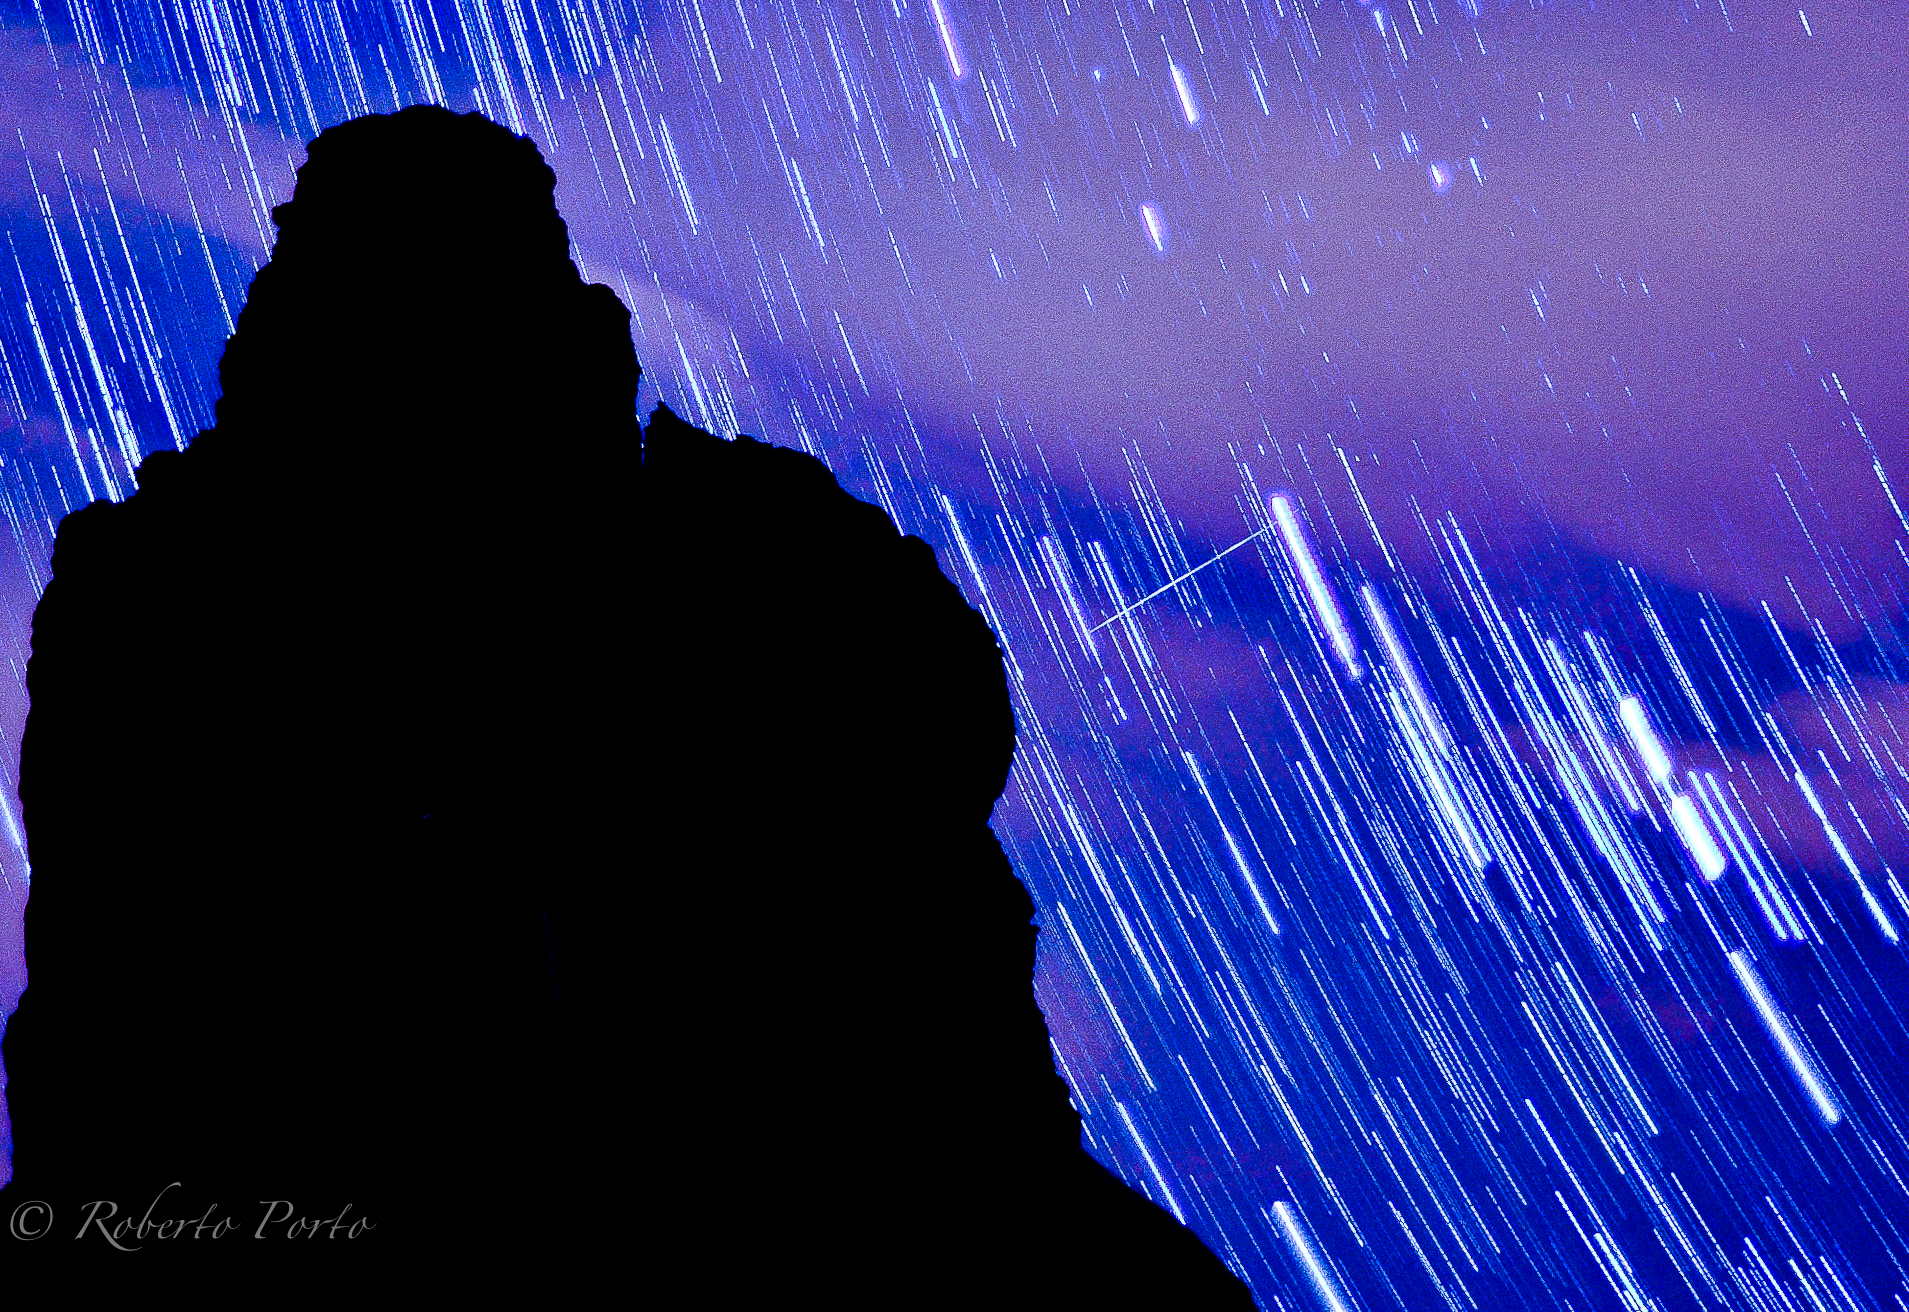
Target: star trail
{"x": 1473, "y": 887}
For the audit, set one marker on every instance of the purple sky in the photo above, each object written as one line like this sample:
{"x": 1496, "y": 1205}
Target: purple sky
{"x": 1622, "y": 335}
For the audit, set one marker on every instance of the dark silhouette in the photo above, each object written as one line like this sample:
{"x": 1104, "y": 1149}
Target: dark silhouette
{"x": 311, "y": 773}
{"x": 541, "y": 834}
{"x": 849, "y": 1086}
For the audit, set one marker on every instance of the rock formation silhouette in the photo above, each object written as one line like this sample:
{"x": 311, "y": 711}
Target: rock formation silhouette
{"x": 850, "y": 1085}
{"x": 310, "y": 768}
{"x": 566, "y": 843}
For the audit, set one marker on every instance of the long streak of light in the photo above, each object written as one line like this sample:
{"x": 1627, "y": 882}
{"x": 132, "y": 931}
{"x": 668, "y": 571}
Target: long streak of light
{"x": 1176, "y": 582}
{"x": 1296, "y": 1237}
{"x": 1188, "y": 105}
{"x": 1778, "y": 1025}
{"x": 1402, "y": 665}
{"x": 1696, "y": 836}
{"x": 1151, "y": 215}
{"x": 1318, "y": 588}
{"x": 950, "y": 40}
{"x": 1650, "y": 748}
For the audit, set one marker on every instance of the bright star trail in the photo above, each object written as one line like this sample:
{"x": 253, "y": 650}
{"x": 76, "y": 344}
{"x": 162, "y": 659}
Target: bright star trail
{"x": 1476, "y": 887}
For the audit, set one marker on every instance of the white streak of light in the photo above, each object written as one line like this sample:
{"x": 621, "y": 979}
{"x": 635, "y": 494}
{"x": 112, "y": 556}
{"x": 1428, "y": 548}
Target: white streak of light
{"x": 13, "y": 836}
{"x": 1188, "y": 105}
{"x": 1156, "y": 226}
{"x": 1644, "y": 738}
{"x": 949, "y": 41}
{"x": 1324, "y": 603}
{"x": 1779, "y": 1027}
{"x": 1140, "y": 1142}
{"x": 1174, "y": 583}
{"x": 961, "y": 540}
{"x": 1836, "y": 839}
{"x": 1696, "y": 835}
{"x": 1849, "y": 862}
{"x": 1883, "y": 922}
{"x": 1447, "y": 802}
{"x": 1401, "y": 663}
{"x": 1239, "y": 857}
{"x": 1063, "y": 582}
{"x": 1322, "y": 1280}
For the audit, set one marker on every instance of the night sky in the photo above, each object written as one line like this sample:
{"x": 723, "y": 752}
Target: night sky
{"x": 1475, "y": 890}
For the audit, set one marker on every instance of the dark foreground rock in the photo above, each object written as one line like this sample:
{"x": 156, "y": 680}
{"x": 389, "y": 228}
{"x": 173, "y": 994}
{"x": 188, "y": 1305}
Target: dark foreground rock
{"x": 560, "y": 847}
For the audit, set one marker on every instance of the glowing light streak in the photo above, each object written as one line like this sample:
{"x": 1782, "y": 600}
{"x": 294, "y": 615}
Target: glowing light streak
{"x": 1650, "y": 749}
{"x": 1710, "y": 793}
{"x": 1319, "y": 591}
{"x": 1876, "y": 909}
{"x": 961, "y": 540}
{"x": 1309, "y": 1260}
{"x": 1062, "y": 574}
{"x": 1778, "y": 1025}
{"x": 950, "y": 39}
{"x": 1401, "y": 664}
{"x": 1226, "y": 834}
{"x": 1153, "y": 1167}
{"x": 1829, "y": 830}
{"x": 1450, "y": 809}
{"x": 1156, "y": 225}
{"x": 1175, "y": 582}
{"x": 1696, "y": 837}
{"x": 1183, "y": 86}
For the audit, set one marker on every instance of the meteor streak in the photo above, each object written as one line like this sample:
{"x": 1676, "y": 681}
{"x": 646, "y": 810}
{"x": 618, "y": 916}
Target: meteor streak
{"x": 1174, "y": 583}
